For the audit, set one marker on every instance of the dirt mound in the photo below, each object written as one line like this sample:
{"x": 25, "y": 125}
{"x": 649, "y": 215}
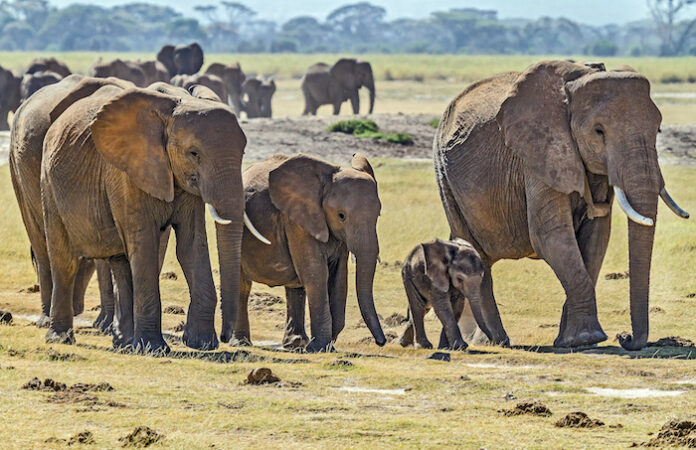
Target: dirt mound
{"x": 263, "y": 301}
{"x": 677, "y": 433}
{"x": 616, "y": 276}
{"x": 261, "y": 375}
{"x": 341, "y": 363}
{"x": 84, "y": 437}
{"x": 532, "y": 408}
{"x": 168, "y": 276}
{"x": 672, "y": 341}
{"x": 54, "y": 355}
{"x": 47, "y": 385}
{"x": 5, "y": 317}
{"x": 33, "y": 289}
{"x": 578, "y": 420}
{"x": 177, "y": 310}
{"x": 370, "y": 340}
{"x": 395, "y": 320}
{"x": 95, "y": 308}
{"x": 141, "y": 437}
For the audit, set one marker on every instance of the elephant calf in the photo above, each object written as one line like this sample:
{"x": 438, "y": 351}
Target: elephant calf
{"x": 441, "y": 275}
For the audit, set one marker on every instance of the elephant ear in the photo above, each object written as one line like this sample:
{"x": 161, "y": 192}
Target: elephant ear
{"x": 361, "y": 163}
{"x": 438, "y": 256}
{"x": 535, "y": 124}
{"x": 129, "y": 132}
{"x": 344, "y": 72}
{"x": 197, "y": 56}
{"x": 297, "y": 189}
{"x": 166, "y": 57}
{"x": 204, "y": 92}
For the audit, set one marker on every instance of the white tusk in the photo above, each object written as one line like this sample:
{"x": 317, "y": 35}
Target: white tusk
{"x": 254, "y": 231}
{"x": 215, "y": 215}
{"x": 664, "y": 195}
{"x": 628, "y": 209}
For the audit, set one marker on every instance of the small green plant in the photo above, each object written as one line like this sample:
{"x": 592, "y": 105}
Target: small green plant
{"x": 435, "y": 122}
{"x": 368, "y": 129}
{"x": 671, "y": 78}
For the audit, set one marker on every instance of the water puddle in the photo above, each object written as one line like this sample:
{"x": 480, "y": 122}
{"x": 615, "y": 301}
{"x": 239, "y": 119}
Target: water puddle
{"x": 77, "y": 321}
{"x": 689, "y": 381}
{"x": 372, "y": 391}
{"x": 497, "y": 366}
{"x": 634, "y": 393}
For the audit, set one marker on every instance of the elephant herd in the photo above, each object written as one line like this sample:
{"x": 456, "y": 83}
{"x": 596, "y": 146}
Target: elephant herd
{"x": 527, "y": 165}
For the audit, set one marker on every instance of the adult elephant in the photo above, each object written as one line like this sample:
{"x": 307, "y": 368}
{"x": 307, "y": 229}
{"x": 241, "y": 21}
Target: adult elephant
{"x": 233, "y": 77}
{"x": 259, "y": 94}
{"x": 527, "y": 166}
{"x": 315, "y": 213}
{"x": 210, "y": 81}
{"x": 333, "y": 85}
{"x": 48, "y": 65}
{"x": 10, "y": 96}
{"x": 32, "y": 82}
{"x": 125, "y": 70}
{"x": 153, "y": 71}
{"x": 182, "y": 59}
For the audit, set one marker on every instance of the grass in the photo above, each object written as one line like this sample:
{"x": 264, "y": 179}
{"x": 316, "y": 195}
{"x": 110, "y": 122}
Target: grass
{"x": 368, "y": 129}
{"x": 196, "y": 402}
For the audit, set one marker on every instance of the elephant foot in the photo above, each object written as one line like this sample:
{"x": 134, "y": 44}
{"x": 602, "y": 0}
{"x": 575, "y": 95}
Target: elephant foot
{"x": 200, "y": 338}
{"x": 104, "y": 321}
{"x": 502, "y": 341}
{"x": 459, "y": 345}
{"x": 43, "y": 321}
{"x": 240, "y": 340}
{"x": 629, "y": 343}
{"x": 583, "y": 331}
{"x": 60, "y": 337}
{"x": 425, "y": 344}
{"x": 295, "y": 341}
{"x": 319, "y": 346}
{"x": 150, "y": 344}
{"x": 78, "y": 307}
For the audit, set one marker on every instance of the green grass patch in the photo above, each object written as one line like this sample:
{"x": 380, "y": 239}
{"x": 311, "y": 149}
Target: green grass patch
{"x": 368, "y": 129}
{"x": 435, "y": 122}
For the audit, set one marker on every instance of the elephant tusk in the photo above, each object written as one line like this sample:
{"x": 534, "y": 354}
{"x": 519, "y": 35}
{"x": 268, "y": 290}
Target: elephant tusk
{"x": 217, "y": 218}
{"x": 664, "y": 195}
{"x": 254, "y": 231}
{"x": 630, "y": 212}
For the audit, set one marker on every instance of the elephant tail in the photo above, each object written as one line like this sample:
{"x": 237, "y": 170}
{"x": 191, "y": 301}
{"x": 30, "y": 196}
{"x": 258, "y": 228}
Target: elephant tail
{"x": 33, "y": 260}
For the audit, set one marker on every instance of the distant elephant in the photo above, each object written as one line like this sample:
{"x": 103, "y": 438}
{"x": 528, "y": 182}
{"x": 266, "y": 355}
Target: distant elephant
{"x": 333, "y": 85}
{"x": 314, "y": 213}
{"x": 10, "y": 96}
{"x": 182, "y": 59}
{"x": 210, "y": 81}
{"x": 32, "y": 82}
{"x": 48, "y": 65}
{"x": 442, "y": 275}
{"x": 151, "y": 179}
{"x": 153, "y": 72}
{"x": 528, "y": 164}
{"x": 259, "y": 94}
{"x": 124, "y": 70}
{"x": 233, "y": 77}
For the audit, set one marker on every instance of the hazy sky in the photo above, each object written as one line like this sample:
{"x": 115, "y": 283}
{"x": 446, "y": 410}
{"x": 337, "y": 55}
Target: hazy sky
{"x": 593, "y": 12}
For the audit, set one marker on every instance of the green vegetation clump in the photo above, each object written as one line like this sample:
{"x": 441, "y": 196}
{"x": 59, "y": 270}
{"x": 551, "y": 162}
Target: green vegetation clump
{"x": 368, "y": 129}
{"x": 671, "y": 78}
{"x": 435, "y": 122}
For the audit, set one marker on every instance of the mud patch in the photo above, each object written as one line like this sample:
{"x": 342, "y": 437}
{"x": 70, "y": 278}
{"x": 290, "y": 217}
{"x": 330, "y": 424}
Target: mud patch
{"x": 33, "y": 289}
{"x": 169, "y": 276}
{"x": 341, "y": 364}
{"x": 54, "y": 355}
{"x": 176, "y": 310}
{"x": 528, "y": 408}
{"x": 440, "y": 356}
{"x": 672, "y": 341}
{"x": 634, "y": 393}
{"x": 390, "y": 336}
{"x": 578, "y": 420}
{"x": 48, "y": 385}
{"x": 262, "y": 375}
{"x": 141, "y": 437}
{"x": 677, "y": 433}
{"x": 617, "y": 276}
{"x": 395, "y": 320}
{"x": 5, "y": 317}
{"x": 84, "y": 438}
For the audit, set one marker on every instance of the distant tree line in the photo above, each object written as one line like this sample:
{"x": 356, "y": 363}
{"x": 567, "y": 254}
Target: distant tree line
{"x": 355, "y": 28}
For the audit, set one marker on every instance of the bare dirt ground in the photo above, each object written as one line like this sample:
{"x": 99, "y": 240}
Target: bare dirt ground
{"x": 676, "y": 144}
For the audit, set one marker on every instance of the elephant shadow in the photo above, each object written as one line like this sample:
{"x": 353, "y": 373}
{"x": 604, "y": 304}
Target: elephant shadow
{"x": 656, "y": 352}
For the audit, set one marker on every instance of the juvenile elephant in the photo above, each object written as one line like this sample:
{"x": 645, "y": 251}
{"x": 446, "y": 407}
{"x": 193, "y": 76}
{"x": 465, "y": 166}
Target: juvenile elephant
{"x": 48, "y": 65}
{"x": 210, "y": 81}
{"x": 259, "y": 94}
{"x": 10, "y": 96}
{"x": 124, "y": 70}
{"x": 143, "y": 161}
{"x": 333, "y": 85}
{"x": 182, "y": 59}
{"x": 528, "y": 164}
{"x": 233, "y": 77}
{"x": 32, "y": 82}
{"x": 442, "y": 275}
{"x": 314, "y": 213}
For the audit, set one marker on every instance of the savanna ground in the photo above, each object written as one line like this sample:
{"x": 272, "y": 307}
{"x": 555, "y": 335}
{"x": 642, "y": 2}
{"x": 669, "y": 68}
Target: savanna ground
{"x": 385, "y": 396}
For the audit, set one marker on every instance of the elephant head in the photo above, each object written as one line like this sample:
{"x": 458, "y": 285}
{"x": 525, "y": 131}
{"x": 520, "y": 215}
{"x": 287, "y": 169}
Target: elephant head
{"x": 48, "y": 64}
{"x": 454, "y": 263}
{"x": 154, "y": 71}
{"x": 259, "y": 93}
{"x": 326, "y": 201}
{"x": 125, "y": 70}
{"x": 563, "y": 119}
{"x": 188, "y": 59}
{"x": 233, "y": 77}
{"x": 35, "y": 81}
{"x": 352, "y": 74}
{"x": 166, "y": 57}
{"x": 10, "y": 95}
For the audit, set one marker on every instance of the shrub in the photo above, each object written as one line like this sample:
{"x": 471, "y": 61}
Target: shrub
{"x": 435, "y": 122}
{"x": 602, "y": 47}
{"x": 671, "y": 78}
{"x": 354, "y": 126}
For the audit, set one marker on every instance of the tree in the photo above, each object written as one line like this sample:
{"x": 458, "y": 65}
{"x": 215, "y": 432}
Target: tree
{"x": 237, "y": 13}
{"x": 207, "y": 11}
{"x": 360, "y": 22}
{"x": 666, "y": 14}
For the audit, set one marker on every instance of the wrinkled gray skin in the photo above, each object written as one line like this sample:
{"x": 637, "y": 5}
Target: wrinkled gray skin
{"x": 125, "y": 70}
{"x": 182, "y": 59}
{"x": 314, "y": 213}
{"x": 10, "y": 96}
{"x": 333, "y": 85}
{"x": 527, "y": 165}
{"x": 32, "y": 82}
{"x": 259, "y": 94}
{"x": 210, "y": 81}
{"x": 442, "y": 275}
{"x": 48, "y": 65}
{"x": 233, "y": 77}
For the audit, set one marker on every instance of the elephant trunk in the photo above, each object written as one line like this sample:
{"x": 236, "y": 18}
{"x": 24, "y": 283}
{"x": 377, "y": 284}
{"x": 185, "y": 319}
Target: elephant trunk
{"x": 371, "y": 87}
{"x": 366, "y": 254}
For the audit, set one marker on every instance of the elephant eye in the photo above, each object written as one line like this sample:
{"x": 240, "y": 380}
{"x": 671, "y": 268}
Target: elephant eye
{"x": 193, "y": 152}
{"x": 342, "y": 216}
{"x": 598, "y": 129}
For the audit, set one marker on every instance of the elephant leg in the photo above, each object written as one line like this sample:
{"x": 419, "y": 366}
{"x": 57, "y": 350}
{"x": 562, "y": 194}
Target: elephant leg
{"x": 43, "y": 267}
{"x": 106, "y": 294}
{"x": 242, "y": 329}
{"x": 164, "y": 243}
{"x": 337, "y": 108}
{"x": 319, "y": 311}
{"x": 418, "y": 308}
{"x": 85, "y": 271}
{"x": 122, "y": 326}
{"x": 338, "y": 294}
{"x": 295, "y": 334}
{"x": 407, "y": 336}
{"x": 553, "y": 239}
{"x": 489, "y": 308}
{"x": 458, "y": 303}
{"x": 355, "y": 102}
{"x": 4, "y": 120}
{"x": 442, "y": 306}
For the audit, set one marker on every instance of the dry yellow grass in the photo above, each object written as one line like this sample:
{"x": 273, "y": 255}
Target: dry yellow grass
{"x": 198, "y": 403}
